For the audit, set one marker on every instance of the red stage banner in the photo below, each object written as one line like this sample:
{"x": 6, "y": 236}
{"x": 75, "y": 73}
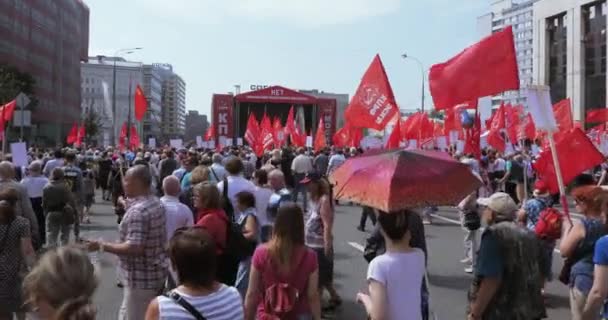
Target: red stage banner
{"x": 327, "y": 112}
{"x": 276, "y": 94}
{"x": 222, "y": 109}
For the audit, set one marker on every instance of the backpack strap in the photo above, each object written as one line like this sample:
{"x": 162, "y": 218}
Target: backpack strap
{"x": 214, "y": 174}
{"x": 177, "y": 298}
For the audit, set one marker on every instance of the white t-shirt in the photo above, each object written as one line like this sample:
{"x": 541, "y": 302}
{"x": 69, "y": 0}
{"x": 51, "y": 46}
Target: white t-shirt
{"x": 262, "y": 197}
{"x": 402, "y": 275}
{"x": 34, "y": 185}
{"x": 498, "y": 165}
{"x": 178, "y": 215}
{"x": 236, "y": 184}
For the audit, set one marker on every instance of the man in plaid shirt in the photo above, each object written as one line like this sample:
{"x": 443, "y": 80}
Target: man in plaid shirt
{"x": 141, "y": 250}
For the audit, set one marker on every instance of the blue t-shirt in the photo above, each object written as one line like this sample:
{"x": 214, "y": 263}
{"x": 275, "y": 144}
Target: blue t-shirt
{"x": 186, "y": 180}
{"x": 490, "y": 262}
{"x": 600, "y": 257}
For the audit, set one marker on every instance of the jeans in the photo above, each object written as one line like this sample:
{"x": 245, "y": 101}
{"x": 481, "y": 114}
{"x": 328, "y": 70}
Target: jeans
{"x": 37, "y": 207}
{"x": 471, "y": 244}
{"x": 135, "y": 302}
{"x": 242, "y": 276}
{"x": 367, "y": 212}
{"x": 300, "y": 188}
{"x": 55, "y": 227}
{"x": 577, "y": 304}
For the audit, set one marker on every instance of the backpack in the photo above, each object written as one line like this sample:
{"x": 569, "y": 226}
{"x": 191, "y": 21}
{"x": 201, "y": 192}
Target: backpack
{"x": 549, "y": 225}
{"x": 281, "y": 297}
{"x": 226, "y": 203}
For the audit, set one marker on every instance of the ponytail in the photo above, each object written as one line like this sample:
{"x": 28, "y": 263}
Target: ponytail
{"x": 80, "y": 308}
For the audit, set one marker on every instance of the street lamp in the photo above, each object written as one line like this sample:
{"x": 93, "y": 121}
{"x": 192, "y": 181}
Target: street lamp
{"x": 406, "y": 56}
{"x": 121, "y": 51}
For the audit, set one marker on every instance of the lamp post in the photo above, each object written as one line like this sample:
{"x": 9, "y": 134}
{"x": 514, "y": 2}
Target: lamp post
{"x": 406, "y": 56}
{"x": 121, "y": 51}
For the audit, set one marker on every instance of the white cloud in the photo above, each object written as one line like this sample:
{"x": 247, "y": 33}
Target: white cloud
{"x": 301, "y": 13}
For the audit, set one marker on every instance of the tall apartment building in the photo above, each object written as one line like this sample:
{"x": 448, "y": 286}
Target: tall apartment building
{"x": 173, "y": 110}
{"x": 47, "y": 39}
{"x": 153, "y": 89}
{"x": 570, "y": 37}
{"x": 516, "y": 13}
{"x": 97, "y": 93}
{"x": 196, "y": 125}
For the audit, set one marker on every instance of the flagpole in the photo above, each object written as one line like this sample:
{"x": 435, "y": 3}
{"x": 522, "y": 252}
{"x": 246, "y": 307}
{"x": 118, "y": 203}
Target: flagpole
{"x": 4, "y": 135}
{"x": 560, "y": 179}
{"x": 129, "y": 118}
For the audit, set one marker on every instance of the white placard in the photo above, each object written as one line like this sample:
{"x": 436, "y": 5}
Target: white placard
{"x": 541, "y": 109}
{"x": 199, "y": 141}
{"x": 19, "y": 153}
{"x": 309, "y": 141}
{"x": 442, "y": 143}
{"x": 239, "y": 141}
{"x": 460, "y": 146}
{"x": 509, "y": 149}
{"x": 176, "y": 143}
{"x": 483, "y": 140}
{"x": 211, "y": 144}
{"x": 453, "y": 136}
{"x": 152, "y": 143}
{"x": 535, "y": 149}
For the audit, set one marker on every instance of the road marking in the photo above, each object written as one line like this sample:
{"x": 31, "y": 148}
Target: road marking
{"x": 357, "y": 246}
{"x": 458, "y": 223}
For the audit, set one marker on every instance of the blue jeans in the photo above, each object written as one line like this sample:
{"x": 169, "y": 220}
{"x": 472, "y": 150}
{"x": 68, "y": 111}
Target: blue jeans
{"x": 242, "y": 276}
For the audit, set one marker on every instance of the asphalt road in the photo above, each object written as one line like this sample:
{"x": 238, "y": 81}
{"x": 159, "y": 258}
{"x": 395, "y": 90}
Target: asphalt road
{"x": 449, "y": 283}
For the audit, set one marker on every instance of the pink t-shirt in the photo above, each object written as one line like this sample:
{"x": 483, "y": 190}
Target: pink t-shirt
{"x": 302, "y": 267}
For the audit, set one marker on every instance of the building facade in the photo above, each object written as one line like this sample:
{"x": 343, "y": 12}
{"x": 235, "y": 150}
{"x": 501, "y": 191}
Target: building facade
{"x": 173, "y": 102}
{"x": 98, "y": 93}
{"x": 570, "y": 37}
{"x": 153, "y": 89}
{"x": 342, "y": 100}
{"x": 47, "y": 39}
{"x": 196, "y": 125}
{"x": 519, "y": 15}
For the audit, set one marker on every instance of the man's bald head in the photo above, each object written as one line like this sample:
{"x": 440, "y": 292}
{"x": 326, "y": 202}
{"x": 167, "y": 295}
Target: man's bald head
{"x": 171, "y": 186}
{"x": 137, "y": 181}
{"x": 7, "y": 171}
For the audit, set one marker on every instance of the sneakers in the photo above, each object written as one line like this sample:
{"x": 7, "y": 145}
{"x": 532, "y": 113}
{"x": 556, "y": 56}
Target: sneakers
{"x": 426, "y": 221}
{"x": 361, "y": 229}
{"x": 466, "y": 261}
{"x": 468, "y": 270}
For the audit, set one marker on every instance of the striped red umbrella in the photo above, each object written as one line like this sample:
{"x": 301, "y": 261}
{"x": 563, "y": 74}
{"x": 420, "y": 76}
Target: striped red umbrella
{"x": 398, "y": 179}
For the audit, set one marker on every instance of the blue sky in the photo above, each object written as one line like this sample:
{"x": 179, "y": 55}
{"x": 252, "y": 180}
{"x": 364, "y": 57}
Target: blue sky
{"x": 303, "y": 44}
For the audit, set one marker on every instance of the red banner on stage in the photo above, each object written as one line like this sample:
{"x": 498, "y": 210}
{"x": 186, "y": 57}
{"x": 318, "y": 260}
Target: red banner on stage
{"x": 276, "y": 94}
{"x": 222, "y": 109}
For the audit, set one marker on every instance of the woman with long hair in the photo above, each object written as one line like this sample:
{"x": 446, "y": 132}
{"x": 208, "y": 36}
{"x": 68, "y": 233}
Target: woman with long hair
{"x": 319, "y": 233}
{"x": 61, "y": 286}
{"x": 578, "y": 245}
{"x": 192, "y": 253}
{"x": 15, "y": 250}
{"x": 284, "y": 266}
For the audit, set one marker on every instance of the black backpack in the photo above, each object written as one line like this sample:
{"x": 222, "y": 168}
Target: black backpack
{"x": 237, "y": 246}
{"x": 226, "y": 203}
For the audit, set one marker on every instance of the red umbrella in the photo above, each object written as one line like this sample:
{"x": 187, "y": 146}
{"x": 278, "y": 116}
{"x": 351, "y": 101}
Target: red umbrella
{"x": 398, "y": 179}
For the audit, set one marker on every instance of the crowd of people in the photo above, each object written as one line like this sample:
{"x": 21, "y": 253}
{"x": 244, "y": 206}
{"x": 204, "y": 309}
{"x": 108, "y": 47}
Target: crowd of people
{"x": 228, "y": 235}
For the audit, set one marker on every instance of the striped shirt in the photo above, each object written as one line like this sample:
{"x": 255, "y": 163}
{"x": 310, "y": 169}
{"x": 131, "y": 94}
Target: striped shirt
{"x": 224, "y": 304}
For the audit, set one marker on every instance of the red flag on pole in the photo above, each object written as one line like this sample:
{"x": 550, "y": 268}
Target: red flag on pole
{"x": 278, "y": 133}
{"x": 81, "y": 135}
{"x": 597, "y": 116}
{"x": 252, "y": 132}
{"x": 8, "y": 109}
{"x": 266, "y": 130}
{"x": 527, "y": 130}
{"x": 563, "y": 115}
{"x": 320, "y": 139}
{"x": 472, "y": 144}
{"x": 512, "y": 114}
{"x": 134, "y": 137}
{"x": 395, "y": 138}
{"x": 141, "y": 104}
{"x": 290, "y": 124}
{"x": 72, "y": 135}
{"x": 495, "y": 138}
{"x": 373, "y": 105}
{"x": 210, "y": 134}
{"x": 575, "y": 152}
{"x": 484, "y": 69}
{"x": 122, "y": 137}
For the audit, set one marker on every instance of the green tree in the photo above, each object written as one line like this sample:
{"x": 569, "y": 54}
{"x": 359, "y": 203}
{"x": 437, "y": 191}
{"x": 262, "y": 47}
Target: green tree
{"x": 13, "y": 81}
{"x": 92, "y": 125}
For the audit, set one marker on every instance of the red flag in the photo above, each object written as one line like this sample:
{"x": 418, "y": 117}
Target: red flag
{"x": 412, "y": 125}
{"x": 134, "y": 137}
{"x": 123, "y": 136}
{"x": 527, "y": 130}
{"x": 438, "y": 130}
{"x": 298, "y": 137}
{"x": 495, "y": 138}
{"x": 278, "y": 132}
{"x": 575, "y": 152}
{"x": 252, "y": 132}
{"x": 210, "y": 134}
{"x": 451, "y": 121}
{"x": 266, "y": 130}
{"x": 395, "y": 138}
{"x": 563, "y": 115}
{"x": 290, "y": 124}
{"x": 597, "y": 116}
{"x": 320, "y": 139}
{"x": 472, "y": 144}
{"x": 8, "y": 109}
{"x": 81, "y": 135}
{"x": 484, "y": 69}
{"x": 141, "y": 104}
{"x": 72, "y": 136}
{"x": 512, "y": 121}
{"x": 373, "y": 105}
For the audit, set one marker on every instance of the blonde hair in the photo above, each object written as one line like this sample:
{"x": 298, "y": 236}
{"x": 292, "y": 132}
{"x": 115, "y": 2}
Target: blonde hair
{"x": 199, "y": 174}
{"x": 65, "y": 279}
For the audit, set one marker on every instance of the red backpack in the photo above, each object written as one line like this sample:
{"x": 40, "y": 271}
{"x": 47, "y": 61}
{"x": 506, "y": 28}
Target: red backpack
{"x": 281, "y": 297}
{"x": 549, "y": 224}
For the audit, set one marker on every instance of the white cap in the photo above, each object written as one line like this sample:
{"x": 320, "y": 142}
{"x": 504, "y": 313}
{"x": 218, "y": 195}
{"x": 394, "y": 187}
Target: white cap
{"x": 500, "y": 203}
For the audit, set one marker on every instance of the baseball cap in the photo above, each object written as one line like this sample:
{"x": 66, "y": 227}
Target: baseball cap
{"x": 500, "y": 203}
{"x": 311, "y": 177}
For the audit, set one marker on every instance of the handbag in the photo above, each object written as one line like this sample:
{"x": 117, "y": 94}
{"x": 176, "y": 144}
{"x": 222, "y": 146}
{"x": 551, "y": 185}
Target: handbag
{"x": 177, "y": 298}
